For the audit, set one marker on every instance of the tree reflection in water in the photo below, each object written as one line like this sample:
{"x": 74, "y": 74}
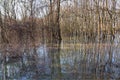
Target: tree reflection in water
{"x": 73, "y": 61}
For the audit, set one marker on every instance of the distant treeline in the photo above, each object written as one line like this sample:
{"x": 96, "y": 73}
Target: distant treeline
{"x": 90, "y": 20}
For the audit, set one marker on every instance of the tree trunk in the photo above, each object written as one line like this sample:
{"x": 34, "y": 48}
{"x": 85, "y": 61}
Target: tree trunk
{"x": 56, "y": 41}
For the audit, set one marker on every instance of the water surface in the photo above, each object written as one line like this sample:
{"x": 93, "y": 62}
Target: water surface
{"x": 72, "y": 60}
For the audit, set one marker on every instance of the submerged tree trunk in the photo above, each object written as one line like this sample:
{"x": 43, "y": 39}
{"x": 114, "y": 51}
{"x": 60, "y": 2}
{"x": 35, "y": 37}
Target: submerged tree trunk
{"x": 56, "y": 41}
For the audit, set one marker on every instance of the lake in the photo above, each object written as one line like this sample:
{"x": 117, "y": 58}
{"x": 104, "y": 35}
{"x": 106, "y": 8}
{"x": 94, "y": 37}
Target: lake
{"x": 71, "y": 60}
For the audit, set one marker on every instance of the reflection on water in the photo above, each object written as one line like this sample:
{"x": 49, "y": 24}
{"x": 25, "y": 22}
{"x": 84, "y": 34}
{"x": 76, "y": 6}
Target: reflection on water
{"x": 91, "y": 61}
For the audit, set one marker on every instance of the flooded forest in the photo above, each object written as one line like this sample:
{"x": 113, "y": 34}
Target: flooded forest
{"x": 59, "y": 39}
